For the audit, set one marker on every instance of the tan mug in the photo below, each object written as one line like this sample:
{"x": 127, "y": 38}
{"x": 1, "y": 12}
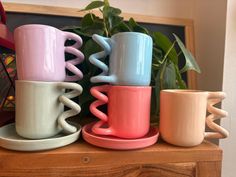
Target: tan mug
{"x": 183, "y": 116}
{"x": 40, "y": 108}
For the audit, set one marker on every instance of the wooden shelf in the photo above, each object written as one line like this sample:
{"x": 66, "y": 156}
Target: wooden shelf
{"x": 82, "y": 159}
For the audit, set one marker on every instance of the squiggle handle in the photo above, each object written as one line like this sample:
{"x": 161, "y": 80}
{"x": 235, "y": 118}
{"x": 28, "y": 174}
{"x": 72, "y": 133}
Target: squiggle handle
{"x": 220, "y": 132}
{"x": 70, "y": 65}
{"x": 94, "y": 59}
{"x": 102, "y": 99}
{"x": 74, "y": 107}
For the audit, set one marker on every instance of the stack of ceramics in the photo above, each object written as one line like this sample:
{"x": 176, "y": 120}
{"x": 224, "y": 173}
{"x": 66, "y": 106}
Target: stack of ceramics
{"x": 126, "y": 125}
{"x": 41, "y": 89}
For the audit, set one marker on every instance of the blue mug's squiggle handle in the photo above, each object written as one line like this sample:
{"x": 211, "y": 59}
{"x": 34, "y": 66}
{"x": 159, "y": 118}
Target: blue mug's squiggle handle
{"x": 105, "y": 43}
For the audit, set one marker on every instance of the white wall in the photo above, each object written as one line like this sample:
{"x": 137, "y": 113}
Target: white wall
{"x": 209, "y": 21}
{"x": 166, "y": 8}
{"x": 229, "y": 86}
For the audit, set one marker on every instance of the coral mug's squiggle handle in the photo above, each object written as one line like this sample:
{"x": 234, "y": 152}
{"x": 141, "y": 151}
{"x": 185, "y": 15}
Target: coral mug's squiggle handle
{"x": 66, "y": 100}
{"x": 102, "y": 99}
{"x": 70, "y": 65}
{"x": 215, "y": 113}
{"x": 105, "y": 43}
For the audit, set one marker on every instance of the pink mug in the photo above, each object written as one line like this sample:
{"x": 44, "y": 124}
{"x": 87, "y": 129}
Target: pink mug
{"x": 40, "y": 53}
{"x": 128, "y": 110}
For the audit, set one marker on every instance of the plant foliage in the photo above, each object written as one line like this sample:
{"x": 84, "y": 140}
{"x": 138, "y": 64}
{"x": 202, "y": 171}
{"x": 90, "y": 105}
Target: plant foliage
{"x": 165, "y": 62}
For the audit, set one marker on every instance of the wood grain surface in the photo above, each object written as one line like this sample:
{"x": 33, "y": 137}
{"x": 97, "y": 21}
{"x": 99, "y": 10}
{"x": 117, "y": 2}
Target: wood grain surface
{"x": 82, "y": 159}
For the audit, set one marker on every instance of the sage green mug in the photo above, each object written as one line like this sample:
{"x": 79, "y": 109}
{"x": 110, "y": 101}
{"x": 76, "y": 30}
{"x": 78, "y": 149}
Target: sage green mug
{"x": 40, "y": 108}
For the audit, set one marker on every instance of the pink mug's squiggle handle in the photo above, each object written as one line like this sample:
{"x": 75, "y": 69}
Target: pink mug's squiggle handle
{"x": 70, "y": 65}
{"x": 102, "y": 99}
{"x": 215, "y": 113}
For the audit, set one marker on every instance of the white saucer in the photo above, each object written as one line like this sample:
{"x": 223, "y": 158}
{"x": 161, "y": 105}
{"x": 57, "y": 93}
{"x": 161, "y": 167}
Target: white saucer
{"x": 10, "y": 140}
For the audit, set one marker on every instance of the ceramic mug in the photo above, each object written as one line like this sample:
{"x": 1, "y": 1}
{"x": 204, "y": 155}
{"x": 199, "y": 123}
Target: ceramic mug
{"x": 183, "y": 116}
{"x": 128, "y": 110}
{"x": 40, "y": 108}
{"x": 130, "y": 59}
{"x": 40, "y": 53}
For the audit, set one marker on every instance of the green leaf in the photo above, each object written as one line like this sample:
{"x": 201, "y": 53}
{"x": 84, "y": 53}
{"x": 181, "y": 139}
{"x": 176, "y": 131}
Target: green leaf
{"x": 163, "y": 42}
{"x": 111, "y": 11}
{"x": 190, "y": 63}
{"x": 91, "y": 24}
{"x": 88, "y": 20}
{"x": 122, "y": 27}
{"x": 165, "y": 78}
{"x": 161, "y": 76}
{"x": 93, "y": 5}
{"x": 111, "y": 18}
{"x": 170, "y": 77}
{"x": 158, "y": 87}
{"x": 114, "y": 21}
{"x": 136, "y": 27}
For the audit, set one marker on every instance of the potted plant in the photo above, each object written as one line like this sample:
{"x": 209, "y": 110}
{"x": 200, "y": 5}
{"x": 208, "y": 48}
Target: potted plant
{"x": 165, "y": 68}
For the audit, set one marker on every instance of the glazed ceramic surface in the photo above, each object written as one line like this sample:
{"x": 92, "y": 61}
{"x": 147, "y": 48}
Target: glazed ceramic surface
{"x": 130, "y": 59}
{"x": 40, "y": 53}
{"x": 183, "y": 116}
{"x": 40, "y": 108}
{"x": 128, "y": 113}
{"x": 112, "y": 142}
{"x": 9, "y": 139}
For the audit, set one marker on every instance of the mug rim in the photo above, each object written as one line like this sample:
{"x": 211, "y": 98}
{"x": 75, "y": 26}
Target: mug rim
{"x": 130, "y": 87}
{"x": 35, "y": 25}
{"x": 37, "y": 82}
{"x": 183, "y": 91}
{"x": 134, "y": 33}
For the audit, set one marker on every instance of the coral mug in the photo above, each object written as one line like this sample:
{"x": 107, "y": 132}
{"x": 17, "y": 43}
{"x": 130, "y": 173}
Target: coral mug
{"x": 129, "y": 61}
{"x": 128, "y": 110}
{"x": 183, "y": 116}
{"x": 40, "y": 53}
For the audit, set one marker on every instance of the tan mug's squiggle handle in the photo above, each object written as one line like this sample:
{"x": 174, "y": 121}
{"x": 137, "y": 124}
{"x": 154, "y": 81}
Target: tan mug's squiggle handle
{"x": 215, "y": 114}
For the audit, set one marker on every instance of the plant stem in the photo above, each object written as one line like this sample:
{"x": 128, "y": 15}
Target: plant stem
{"x": 168, "y": 52}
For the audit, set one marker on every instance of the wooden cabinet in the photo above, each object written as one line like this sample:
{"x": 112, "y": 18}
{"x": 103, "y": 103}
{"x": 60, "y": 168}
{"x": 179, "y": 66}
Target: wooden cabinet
{"x": 81, "y": 159}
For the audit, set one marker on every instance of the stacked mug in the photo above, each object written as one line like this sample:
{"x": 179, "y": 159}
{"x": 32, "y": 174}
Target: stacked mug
{"x": 40, "y": 89}
{"x": 127, "y": 94}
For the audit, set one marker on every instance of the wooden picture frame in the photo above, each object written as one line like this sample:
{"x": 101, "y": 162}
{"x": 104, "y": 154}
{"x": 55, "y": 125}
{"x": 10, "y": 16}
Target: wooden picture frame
{"x": 74, "y": 12}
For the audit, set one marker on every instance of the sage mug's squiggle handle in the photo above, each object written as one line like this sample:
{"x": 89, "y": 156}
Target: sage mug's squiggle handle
{"x": 74, "y": 107}
{"x": 215, "y": 113}
{"x": 105, "y": 43}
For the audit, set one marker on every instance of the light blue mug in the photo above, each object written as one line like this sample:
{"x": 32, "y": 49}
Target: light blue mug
{"x": 130, "y": 59}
